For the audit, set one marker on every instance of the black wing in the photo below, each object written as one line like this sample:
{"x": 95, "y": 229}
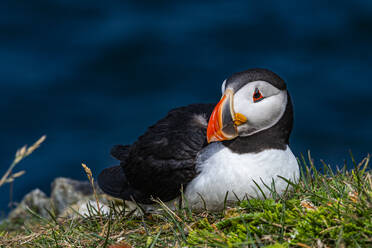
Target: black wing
{"x": 163, "y": 159}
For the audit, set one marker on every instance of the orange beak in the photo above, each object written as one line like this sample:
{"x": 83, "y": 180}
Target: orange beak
{"x": 223, "y": 122}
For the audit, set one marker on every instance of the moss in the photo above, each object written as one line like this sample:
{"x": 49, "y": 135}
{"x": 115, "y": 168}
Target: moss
{"x": 330, "y": 209}
{"x": 321, "y": 209}
{"x": 277, "y": 245}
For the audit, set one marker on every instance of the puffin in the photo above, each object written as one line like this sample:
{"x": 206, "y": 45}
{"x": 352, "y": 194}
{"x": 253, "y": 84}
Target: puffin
{"x": 211, "y": 154}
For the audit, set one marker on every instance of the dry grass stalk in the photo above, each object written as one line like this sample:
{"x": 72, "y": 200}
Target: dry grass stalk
{"x": 308, "y": 205}
{"x": 20, "y": 154}
{"x": 91, "y": 180}
{"x": 166, "y": 208}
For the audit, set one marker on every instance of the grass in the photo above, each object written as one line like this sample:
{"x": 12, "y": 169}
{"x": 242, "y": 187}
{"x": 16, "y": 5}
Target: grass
{"x": 325, "y": 208}
{"x": 9, "y": 176}
{"x": 21, "y": 153}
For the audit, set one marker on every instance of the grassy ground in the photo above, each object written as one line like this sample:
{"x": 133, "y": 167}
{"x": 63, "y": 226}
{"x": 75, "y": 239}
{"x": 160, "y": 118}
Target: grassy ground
{"x": 324, "y": 209}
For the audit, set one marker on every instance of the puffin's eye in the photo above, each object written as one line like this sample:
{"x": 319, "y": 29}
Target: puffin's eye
{"x": 257, "y": 96}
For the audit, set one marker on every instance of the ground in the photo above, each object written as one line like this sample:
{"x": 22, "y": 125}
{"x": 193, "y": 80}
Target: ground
{"x": 324, "y": 209}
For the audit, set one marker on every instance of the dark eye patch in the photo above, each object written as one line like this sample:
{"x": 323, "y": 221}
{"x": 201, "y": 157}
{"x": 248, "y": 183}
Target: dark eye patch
{"x": 257, "y": 96}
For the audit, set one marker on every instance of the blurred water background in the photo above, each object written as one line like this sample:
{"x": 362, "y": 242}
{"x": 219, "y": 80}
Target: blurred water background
{"x": 91, "y": 74}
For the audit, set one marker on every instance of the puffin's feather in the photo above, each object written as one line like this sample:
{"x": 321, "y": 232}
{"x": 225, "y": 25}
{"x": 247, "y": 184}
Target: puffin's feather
{"x": 113, "y": 181}
{"x": 120, "y": 152}
{"x": 163, "y": 159}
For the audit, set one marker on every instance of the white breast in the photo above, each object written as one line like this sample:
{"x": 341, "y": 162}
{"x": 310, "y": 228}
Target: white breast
{"x": 221, "y": 171}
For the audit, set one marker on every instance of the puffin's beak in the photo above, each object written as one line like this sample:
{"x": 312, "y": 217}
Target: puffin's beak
{"x": 223, "y": 122}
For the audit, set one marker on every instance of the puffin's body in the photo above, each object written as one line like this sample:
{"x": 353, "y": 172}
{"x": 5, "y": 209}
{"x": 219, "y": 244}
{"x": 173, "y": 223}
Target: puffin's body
{"x": 210, "y": 150}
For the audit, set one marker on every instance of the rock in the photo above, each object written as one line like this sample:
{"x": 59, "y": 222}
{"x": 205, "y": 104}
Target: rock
{"x": 69, "y": 198}
{"x": 36, "y": 200}
{"x": 89, "y": 208}
{"x": 86, "y": 208}
{"x": 66, "y": 192}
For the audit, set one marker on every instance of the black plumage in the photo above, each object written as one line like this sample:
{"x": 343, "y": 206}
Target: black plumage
{"x": 162, "y": 159}
{"x": 238, "y": 80}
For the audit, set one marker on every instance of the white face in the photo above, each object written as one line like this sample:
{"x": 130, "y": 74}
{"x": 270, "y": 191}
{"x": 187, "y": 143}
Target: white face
{"x": 263, "y": 113}
{"x": 223, "y": 86}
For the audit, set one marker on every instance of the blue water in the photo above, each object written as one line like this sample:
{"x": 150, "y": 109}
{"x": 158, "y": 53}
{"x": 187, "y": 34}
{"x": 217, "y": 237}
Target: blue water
{"x": 98, "y": 73}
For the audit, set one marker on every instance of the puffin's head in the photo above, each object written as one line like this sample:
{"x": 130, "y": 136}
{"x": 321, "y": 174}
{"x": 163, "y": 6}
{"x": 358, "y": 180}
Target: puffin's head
{"x": 252, "y": 101}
